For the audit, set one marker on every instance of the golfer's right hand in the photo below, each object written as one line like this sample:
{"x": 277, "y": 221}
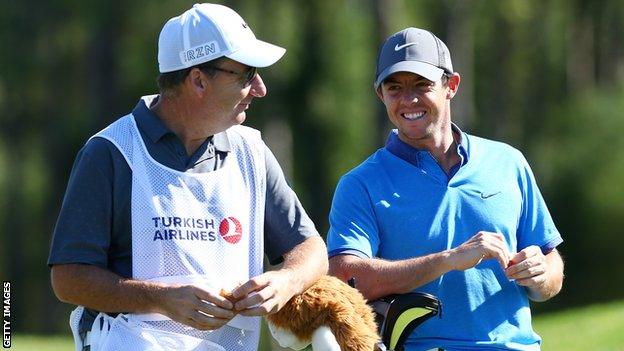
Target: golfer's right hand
{"x": 195, "y": 307}
{"x": 482, "y": 246}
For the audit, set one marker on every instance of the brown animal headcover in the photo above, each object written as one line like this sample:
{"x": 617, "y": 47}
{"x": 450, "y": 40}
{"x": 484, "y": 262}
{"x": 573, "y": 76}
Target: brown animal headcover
{"x": 332, "y": 303}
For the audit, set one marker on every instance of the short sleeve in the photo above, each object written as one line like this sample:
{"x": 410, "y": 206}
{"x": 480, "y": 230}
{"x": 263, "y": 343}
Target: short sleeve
{"x": 83, "y": 229}
{"x": 536, "y": 226}
{"x": 286, "y": 222}
{"x": 353, "y": 226}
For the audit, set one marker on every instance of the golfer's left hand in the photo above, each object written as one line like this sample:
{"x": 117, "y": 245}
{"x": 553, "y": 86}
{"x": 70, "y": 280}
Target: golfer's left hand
{"x": 528, "y": 267}
{"x": 264, "y": 294}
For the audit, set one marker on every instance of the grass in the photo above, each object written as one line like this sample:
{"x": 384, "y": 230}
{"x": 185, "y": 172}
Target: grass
{"x": 22, "y": 342}
{"x": 596, "y": 328}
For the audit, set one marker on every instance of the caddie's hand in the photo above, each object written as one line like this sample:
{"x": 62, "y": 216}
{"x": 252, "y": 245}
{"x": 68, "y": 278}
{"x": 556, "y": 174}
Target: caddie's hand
{"x": 195, "y": 307}
{"x": 264, "y": 294}
{"x": 482, "y": 246}
{"x": 528, "y": 267}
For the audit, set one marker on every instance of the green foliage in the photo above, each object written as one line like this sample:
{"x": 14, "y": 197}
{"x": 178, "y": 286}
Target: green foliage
{"x": 578, "y": 154}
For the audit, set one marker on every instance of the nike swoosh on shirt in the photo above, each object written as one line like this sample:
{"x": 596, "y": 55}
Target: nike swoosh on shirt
{"x": 398, "y": 47}
{"x": 489, "y": 195}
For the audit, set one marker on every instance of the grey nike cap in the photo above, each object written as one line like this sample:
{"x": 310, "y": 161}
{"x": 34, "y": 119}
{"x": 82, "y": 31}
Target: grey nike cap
{"x": 413, "y": 50}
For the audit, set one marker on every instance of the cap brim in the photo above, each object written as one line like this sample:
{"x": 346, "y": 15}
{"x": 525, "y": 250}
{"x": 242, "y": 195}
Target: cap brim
{"x": 258, "y": 53}
{"x": 423, "y": 69}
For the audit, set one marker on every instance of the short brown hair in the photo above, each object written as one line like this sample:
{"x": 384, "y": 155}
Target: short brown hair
{"x": 445, "y": 78}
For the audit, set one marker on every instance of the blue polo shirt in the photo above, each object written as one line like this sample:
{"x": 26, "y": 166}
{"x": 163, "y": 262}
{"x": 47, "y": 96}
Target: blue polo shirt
{"x": 400, "y": 204}
{"x": 94, "y": 228}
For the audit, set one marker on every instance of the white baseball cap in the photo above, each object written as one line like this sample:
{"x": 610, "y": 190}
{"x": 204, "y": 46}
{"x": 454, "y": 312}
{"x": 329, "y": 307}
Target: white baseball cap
{"x": 209, "y": 31}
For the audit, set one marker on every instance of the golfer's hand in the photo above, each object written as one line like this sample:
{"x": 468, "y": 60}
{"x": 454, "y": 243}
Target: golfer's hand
{"x": 482, "y": 246}
{"x": 264, "y": 294}
{"x": 528, "y": 267}
{"x": 195, "y": 307}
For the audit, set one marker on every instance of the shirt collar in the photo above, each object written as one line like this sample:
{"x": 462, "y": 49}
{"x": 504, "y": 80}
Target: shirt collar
{"x": 409, "y": 153}
{"x": 221, "y": 142}
{"x": 147, "y": 120}
{"x": 462, "y": 145}
{"x": 155, "y": 129}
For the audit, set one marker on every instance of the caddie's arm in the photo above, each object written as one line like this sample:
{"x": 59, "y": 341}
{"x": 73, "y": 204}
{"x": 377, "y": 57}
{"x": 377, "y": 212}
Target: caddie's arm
{"x": 289, "y": 235}
{"x": 269, "y": 292}
{"x": 102, "y": 290}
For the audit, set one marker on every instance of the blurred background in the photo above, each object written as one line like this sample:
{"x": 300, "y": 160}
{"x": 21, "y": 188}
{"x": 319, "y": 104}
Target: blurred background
{"x": 545, "y": 76}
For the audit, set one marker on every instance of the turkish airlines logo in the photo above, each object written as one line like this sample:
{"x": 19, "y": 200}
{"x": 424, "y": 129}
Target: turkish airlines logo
{"x": 231, "y": 230}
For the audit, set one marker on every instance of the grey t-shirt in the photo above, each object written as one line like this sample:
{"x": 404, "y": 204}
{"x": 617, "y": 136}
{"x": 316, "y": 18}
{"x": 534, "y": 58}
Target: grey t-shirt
{"x": 93, "y": 226}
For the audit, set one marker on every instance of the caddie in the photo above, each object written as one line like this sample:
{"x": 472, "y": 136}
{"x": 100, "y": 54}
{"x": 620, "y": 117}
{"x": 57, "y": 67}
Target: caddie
{"x": 170, "y": 209}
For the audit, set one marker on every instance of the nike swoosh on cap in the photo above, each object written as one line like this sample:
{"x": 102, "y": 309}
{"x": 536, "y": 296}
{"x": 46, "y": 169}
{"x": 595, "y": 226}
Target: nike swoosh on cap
{"x": 398, "y": 47}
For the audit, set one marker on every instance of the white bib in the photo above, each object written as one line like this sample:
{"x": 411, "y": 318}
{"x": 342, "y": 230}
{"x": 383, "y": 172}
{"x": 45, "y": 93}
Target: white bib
{"x": 204, "y": 229}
